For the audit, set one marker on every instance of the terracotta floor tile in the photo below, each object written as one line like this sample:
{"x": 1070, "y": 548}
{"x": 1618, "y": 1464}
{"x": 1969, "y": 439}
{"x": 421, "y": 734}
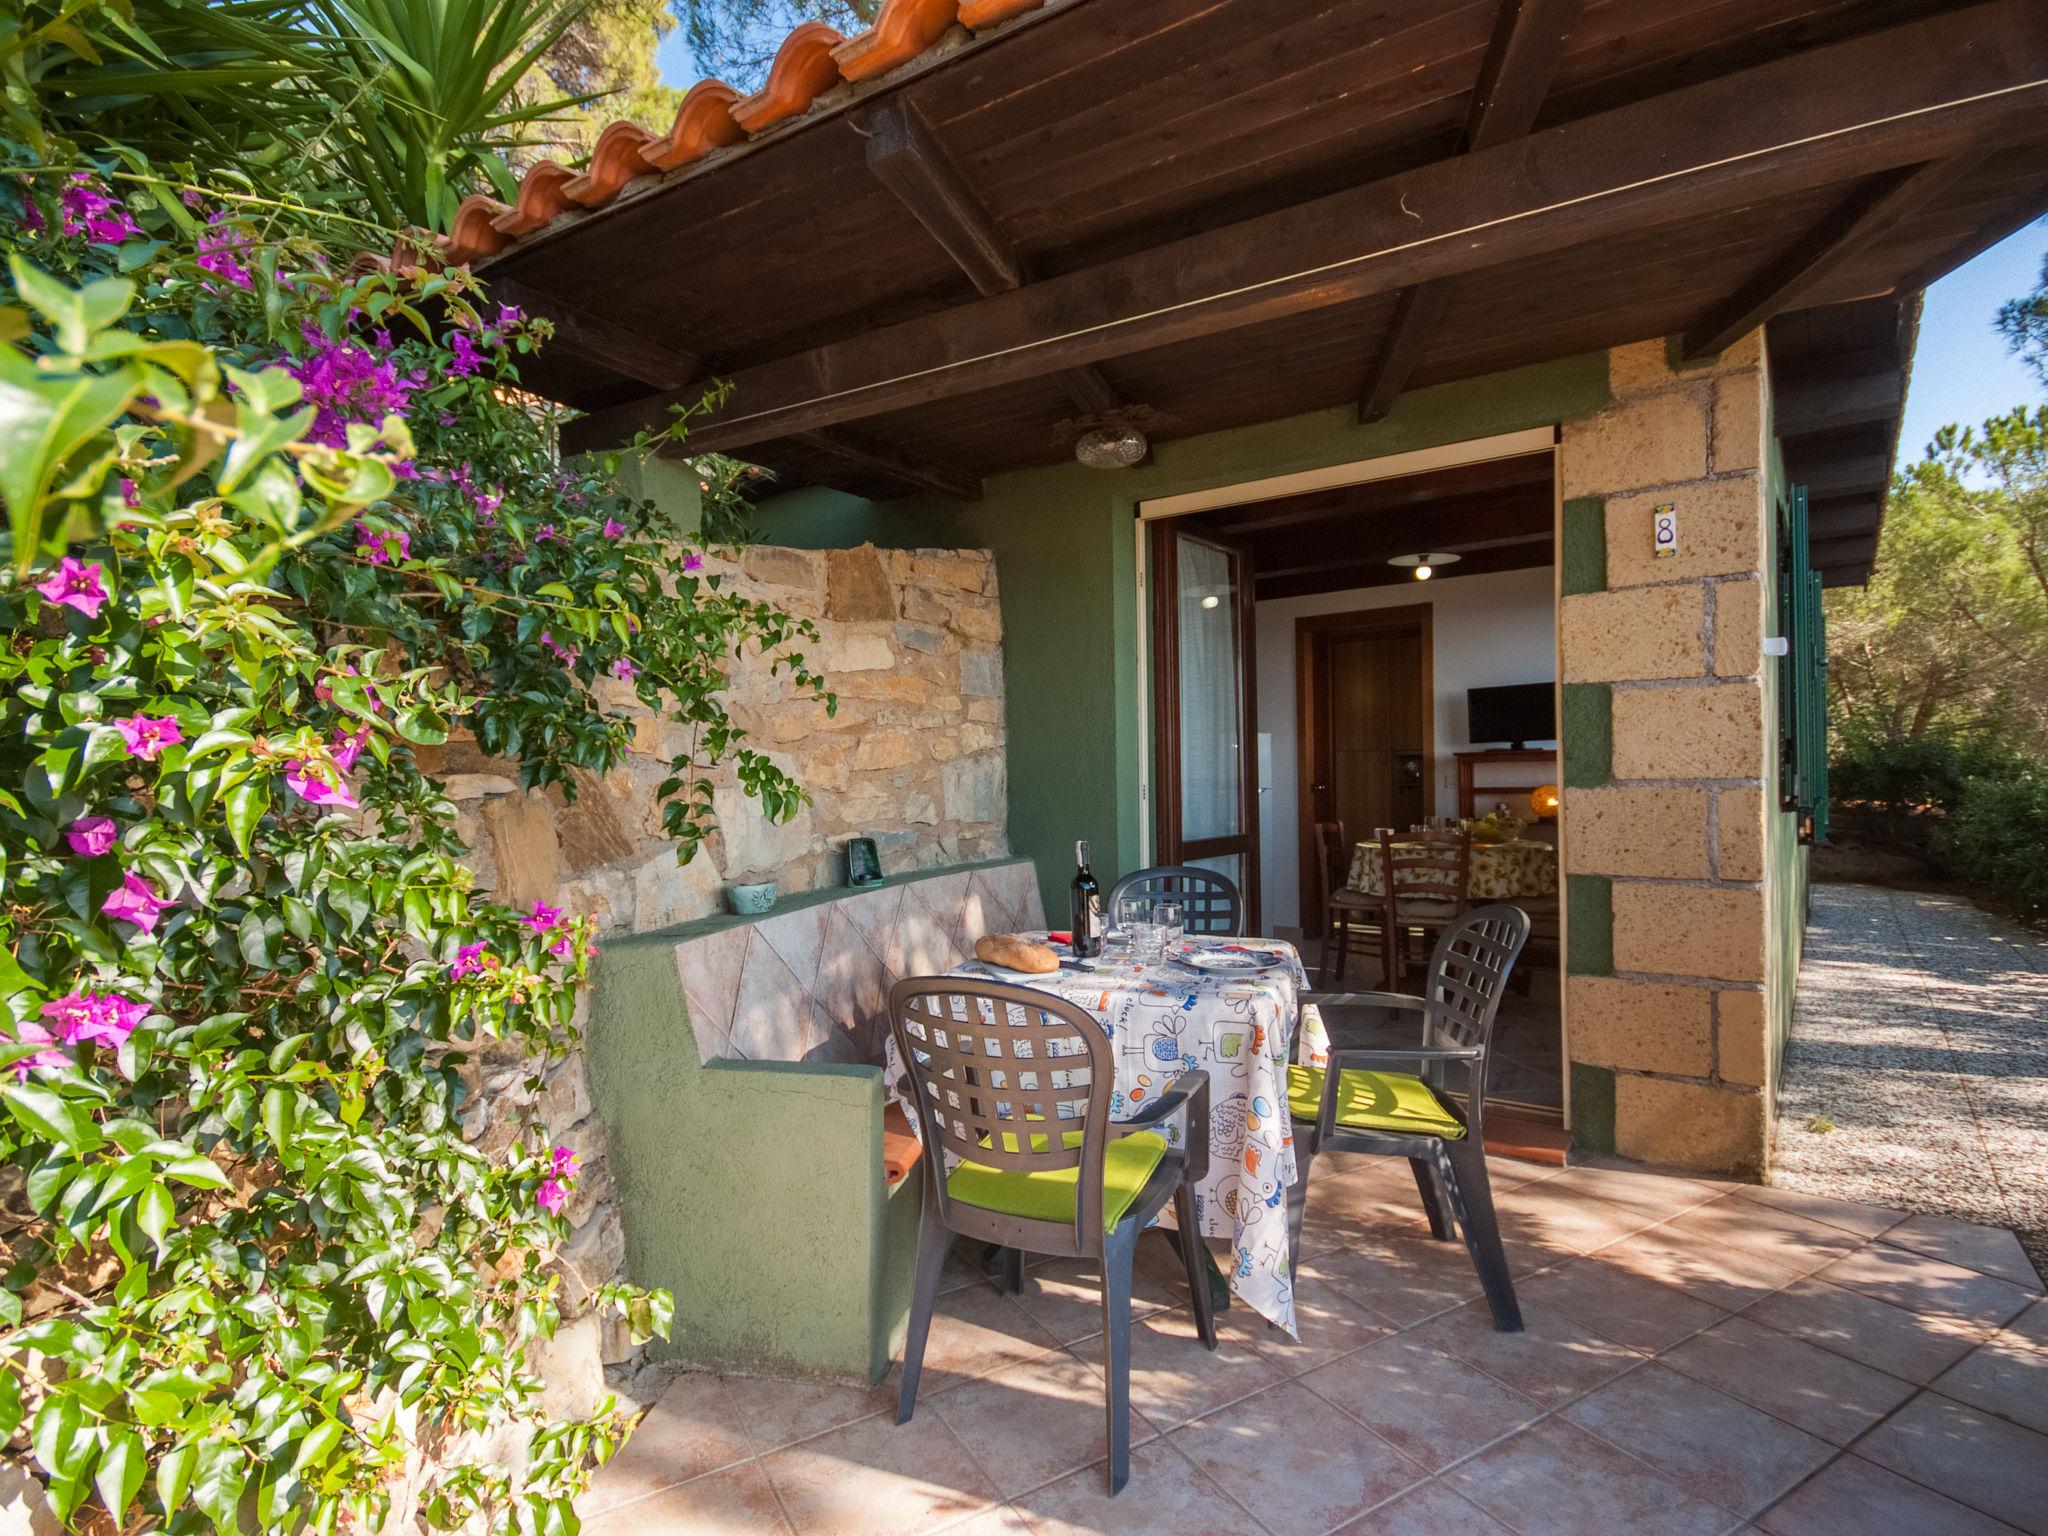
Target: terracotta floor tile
{"x": 999, "y": 1521}
{"x": 877, "y": 1475}
{"x": 1720, "y": 1274}
{"x": 1788, "y": 1240}
{"x": 975, "y": 1332}
{"x": 1564, "y": 1224}
{"x": 1375, "y": 1201}
{"x": 2005, "y": 1377}
{"x": 1329, "y": 1325}
{"x": 1034, "y": 1422}
{"x": 1705, "y": 1441}
{"x": 1554, "y": 1479}
{"x": 1853, "y": 1497}
{"x": 1429, "y": 1405}
{"x": 1430, "y": 1509}
{"x": 1618, "y": 1305}
{"x": 1872, "y": 1332}
{"x": 1922, "y": 1284}
{"x": 1971, "y": 1456}
{"x": 1864, "y": 1221}
{"x": 734, "y": 1502}
{"x": 1295, "y": 1461}
{"x": 1659, "y": 1196}
{"x": 1166, "y": 1496}
{"x": 1824, "y": 1394}
{"x": 775, "y": 1412}
{"x": 1401, "y": 1278}
{"x": 1065, "y": 1297}
{"x": 1553, "y": 1359}
{"x": 1989, "y": 1250}
{"x": 1174, "y": 1379}
{"x": 694, "y": 1429}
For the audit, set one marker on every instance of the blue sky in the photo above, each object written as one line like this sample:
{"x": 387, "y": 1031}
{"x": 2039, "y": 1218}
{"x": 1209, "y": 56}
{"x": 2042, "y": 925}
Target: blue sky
{"x": 672, "y": 58}
{"x": 1961, "y": 370}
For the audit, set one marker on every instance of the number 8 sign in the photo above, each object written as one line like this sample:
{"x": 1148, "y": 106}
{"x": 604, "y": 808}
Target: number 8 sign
{"x": 1666, "y": 531}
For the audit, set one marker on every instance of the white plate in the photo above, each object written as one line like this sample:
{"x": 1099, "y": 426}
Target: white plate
{"x": 1223, "y": 960}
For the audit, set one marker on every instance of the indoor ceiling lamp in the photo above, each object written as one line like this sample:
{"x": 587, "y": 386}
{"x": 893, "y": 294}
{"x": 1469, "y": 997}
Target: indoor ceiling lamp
{"x": 1116, "y": 446}
{"x": 1424, "y": 566}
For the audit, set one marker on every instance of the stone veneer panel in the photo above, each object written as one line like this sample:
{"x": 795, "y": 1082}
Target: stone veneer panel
{"x": 1665, "y": 1027}
{"x": 812, "y": 983}
{"x": 909, "y": 640}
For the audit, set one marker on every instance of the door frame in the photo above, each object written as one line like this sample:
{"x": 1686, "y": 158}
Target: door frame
{"x": 1165, "y": 809}
{"x": 1419, "y": 617}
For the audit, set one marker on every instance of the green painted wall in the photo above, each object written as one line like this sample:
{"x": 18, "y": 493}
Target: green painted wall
{"x": 751, "y": 1190}
{"x": 1065, "y": 549}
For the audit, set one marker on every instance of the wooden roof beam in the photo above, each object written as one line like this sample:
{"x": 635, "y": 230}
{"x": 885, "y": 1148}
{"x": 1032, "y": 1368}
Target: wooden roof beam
{"x": 615, "y": 347}
{"x": 908, "y": 159}
{"x": 892, "y": 463}
{"x": 1845, "y": 233}
{"x": 1843, "y": 477}
{"x": 1521, "y": 60}
{"x": 1826, "y": 403}
{"x": 1830, "y": 114}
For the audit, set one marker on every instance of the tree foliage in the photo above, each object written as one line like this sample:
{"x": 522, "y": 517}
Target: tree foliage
{"x": 735, "y": 40}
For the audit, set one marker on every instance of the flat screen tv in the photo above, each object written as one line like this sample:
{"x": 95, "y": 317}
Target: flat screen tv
{"x": 1516, "y": 715}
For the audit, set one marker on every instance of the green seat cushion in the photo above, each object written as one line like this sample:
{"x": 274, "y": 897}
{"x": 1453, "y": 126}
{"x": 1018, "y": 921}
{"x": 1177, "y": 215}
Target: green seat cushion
{"x": 1373, "y": 1101}
{"x": 1050, "y": 1195}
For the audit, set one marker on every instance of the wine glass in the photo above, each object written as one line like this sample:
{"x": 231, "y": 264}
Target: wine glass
{"x": 1134, "y": 924}
{"x": 1169, "y": 924}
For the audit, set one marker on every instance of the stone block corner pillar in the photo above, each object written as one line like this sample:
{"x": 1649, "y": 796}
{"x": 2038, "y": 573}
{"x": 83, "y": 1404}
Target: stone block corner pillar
{"x": 1665, "y": 742}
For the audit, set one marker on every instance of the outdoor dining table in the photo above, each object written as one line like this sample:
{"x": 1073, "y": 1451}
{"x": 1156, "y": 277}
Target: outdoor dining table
{"x": 1164, "y": 1017}
{"x": 1498, "y": 871}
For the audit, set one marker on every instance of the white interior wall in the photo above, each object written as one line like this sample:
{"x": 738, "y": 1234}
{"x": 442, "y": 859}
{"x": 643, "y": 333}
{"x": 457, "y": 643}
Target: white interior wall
{"x": 1486, "y": 631}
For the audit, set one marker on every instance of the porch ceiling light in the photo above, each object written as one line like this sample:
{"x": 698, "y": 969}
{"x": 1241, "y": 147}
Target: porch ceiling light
{"x": 1424, "y": 566}
{"x": 1117, "y": 446}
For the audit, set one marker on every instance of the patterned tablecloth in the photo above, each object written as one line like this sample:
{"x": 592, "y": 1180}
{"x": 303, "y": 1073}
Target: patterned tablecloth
{"x": 1164, "y": 1018}
{"x": 1499, "y": 871}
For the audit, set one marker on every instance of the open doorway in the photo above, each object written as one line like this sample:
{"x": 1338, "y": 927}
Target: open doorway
{"x": 1300, "y": 674}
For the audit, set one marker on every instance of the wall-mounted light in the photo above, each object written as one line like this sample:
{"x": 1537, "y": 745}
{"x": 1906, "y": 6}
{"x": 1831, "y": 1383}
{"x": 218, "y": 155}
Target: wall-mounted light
{"x": 1211, "y": 600}
{"x": 1424, "y": 566}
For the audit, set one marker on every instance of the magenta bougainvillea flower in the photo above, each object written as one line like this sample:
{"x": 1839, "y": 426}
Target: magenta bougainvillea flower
{"x": 84, "y": 1017}
{"x": 76, "y": 584}
{"x": 137, "y": 902}
{"x": 89, "y": 209}
{"x": 563, "y": 948}
{"x": 28, "y": 1032}
{"x": 312, "y": 784}
{"x": 348, "y": 747}
{"x": 614, "y": 529}
{"x": 562, "y": 1168}
{"x": 552, "y": 1195}
{"x": 383, "y": 547}
{"x": 543, "y": 918}
{"x": 566, "y": 1164}
{"x": 566, "y": 655}
{"x": 221, "y": 252}
{"x": 91, "y": 836}
{"x": 624, "y": 670}
{"x": 693, "y": 562}
{"x": 345, "y": 382}
{"x": 510, "y": 315}
{"x": 467, "y": 359}
{"x": 146, "y": 736}
{"x": 471, "y": 959}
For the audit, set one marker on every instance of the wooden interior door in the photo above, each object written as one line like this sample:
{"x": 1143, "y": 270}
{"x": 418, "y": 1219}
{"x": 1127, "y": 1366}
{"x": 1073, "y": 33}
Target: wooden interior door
{"x": 1366, "y": 715}
{"x": 1204, "y": 722}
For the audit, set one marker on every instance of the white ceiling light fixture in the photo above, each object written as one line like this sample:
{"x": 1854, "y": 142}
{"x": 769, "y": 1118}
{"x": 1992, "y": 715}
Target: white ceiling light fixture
{"x": 1117, "y": 446}
{"x": 1211, "y": 601}
{"x": 1424, "y": 566}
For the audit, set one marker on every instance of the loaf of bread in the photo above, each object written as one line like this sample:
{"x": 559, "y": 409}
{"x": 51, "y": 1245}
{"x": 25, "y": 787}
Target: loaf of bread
{"x": 1014, "y": 952}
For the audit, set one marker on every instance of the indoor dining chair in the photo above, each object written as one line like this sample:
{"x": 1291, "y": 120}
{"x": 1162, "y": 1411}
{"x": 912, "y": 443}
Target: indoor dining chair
{"x": 1347, "y": 913}
{"x": 1425, "y": 878}
{"x": 1208, "y": 898}
{"x": 1012, "y": 1090}
{"x": 1357, "y": 1104}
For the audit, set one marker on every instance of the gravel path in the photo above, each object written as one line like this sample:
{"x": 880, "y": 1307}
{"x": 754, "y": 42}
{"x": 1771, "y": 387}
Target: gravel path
{"x": 1922, "y": 1033}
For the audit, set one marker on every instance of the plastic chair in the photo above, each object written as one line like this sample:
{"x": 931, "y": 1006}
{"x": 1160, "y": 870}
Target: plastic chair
{"x": 1356, "y": 1106}
{"x": 1347, "y": 911}
{"x": 1013, "y": 1085}
{"x": 1208, "y": 900}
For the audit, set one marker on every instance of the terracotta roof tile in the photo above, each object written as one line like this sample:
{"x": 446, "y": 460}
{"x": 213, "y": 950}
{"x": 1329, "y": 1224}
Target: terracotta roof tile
{"x": 812, "y": 60}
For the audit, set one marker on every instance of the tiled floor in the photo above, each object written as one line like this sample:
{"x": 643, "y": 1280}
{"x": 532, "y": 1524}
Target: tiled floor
{"x": 1699, "y": 1357}
{"x": 1922, "y": 1037}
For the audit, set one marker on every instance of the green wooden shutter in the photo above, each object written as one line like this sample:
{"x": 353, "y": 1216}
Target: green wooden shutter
{"x": 1802, "y": 678}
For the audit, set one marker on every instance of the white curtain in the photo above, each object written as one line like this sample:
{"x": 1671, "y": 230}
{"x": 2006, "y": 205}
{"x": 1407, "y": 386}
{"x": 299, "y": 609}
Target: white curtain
{"x": 1209, "y": 759}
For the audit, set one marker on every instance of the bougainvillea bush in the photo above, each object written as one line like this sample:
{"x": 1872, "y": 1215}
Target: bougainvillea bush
{"x": 274, "y": 526}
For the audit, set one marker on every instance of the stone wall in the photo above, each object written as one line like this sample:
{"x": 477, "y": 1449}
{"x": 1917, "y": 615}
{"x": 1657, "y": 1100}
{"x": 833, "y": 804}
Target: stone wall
{"x": 910, "y": 641}
{"x": 1666, "y": 744}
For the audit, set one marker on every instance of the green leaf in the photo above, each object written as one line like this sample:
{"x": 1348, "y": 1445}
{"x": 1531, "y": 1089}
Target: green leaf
{"x": 318, "y": 1445}
{"x": 174, "y": 1476}
{"x": 246, "y": 803}
{"x": 155, "y": 1210}
{"x": 119, "y": 1476}
{"x": 44, "y": 422}
{"x": 217, "y": 1490}
{"x": 52, "y": 1117}
{"x": 76, "y": 314}
{"x": 10, "y": 1403}
{"x": 58, "y": 1441}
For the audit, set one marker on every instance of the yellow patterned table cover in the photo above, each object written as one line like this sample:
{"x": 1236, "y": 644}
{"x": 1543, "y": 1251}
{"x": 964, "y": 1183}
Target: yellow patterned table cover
{"x": 1499, "y": 872}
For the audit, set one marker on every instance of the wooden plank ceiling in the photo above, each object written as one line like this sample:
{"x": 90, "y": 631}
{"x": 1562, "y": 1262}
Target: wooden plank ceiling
{"x": 1203, "y": 213}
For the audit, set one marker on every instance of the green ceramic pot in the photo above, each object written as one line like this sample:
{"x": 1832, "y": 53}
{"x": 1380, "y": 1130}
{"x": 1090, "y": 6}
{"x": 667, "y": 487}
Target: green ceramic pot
{"x": 751, "y": 900}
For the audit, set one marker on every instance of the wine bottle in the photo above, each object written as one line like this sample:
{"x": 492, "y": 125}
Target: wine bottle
{"x": 1087, "y": 904}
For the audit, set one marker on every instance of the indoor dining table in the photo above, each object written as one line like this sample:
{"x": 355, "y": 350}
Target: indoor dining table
{"x": 1508, "y": 871}
{"x": 1173, "y": 1015}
